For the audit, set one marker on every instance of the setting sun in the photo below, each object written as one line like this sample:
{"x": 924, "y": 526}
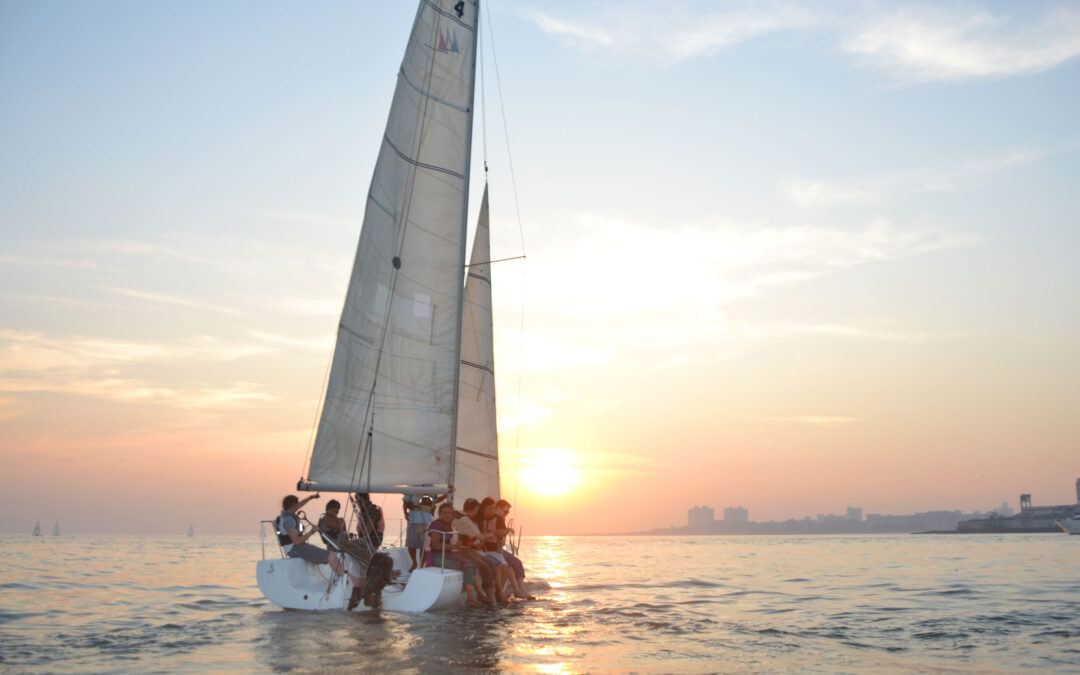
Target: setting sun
{"x": 551, "y": 472}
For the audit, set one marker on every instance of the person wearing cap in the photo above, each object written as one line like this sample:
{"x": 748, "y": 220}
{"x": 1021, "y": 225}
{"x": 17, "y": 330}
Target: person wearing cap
{"x": 419, "y": 511}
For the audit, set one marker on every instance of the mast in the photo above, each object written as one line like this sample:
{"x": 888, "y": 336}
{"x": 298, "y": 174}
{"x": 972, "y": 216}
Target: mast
{"x": 465, "y": 223}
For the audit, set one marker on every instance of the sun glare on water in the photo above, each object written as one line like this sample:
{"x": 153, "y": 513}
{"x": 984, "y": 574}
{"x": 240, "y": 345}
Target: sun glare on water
{"x": 550, "y": 472}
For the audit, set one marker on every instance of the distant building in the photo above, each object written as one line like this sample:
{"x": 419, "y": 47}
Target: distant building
{"x": 854, "y": 513}
{"x": 700, "y": 517}
{"x": 736, "y": 514}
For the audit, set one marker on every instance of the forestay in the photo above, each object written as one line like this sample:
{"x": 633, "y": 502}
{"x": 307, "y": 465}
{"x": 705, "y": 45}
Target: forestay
{"x": 477, "y": 463}
{"x": 395, "y": 366}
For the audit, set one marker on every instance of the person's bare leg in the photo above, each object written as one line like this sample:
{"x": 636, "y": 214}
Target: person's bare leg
{"x": 338, "y": 565}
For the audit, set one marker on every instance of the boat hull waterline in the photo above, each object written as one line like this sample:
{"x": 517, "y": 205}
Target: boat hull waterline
{"x": 293, "y": 583}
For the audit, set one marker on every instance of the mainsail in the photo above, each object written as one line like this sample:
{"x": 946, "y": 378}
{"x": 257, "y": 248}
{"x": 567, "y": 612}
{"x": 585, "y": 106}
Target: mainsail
{"x": 477, "y": 470}
{"x": 389, "y": 413}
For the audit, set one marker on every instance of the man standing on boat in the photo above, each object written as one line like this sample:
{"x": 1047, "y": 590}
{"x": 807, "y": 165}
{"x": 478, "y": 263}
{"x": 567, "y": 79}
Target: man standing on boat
{"x": 419, "y": 512}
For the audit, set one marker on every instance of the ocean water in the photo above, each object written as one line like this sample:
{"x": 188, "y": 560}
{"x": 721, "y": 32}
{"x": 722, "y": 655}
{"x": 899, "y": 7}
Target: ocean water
{"x": 829, "y": 604}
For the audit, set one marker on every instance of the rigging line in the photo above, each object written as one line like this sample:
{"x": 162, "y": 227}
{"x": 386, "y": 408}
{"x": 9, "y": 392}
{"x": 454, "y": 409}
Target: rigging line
{"x": 521, "y": 235}
{"x": 488, "y": 262}
{"x": 320, "y": 402}
{"x": 483, "y": 100}
{"x": 506, "y": 130}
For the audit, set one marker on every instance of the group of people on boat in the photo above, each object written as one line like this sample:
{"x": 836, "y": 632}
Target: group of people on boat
{"x": 472, "y": 541}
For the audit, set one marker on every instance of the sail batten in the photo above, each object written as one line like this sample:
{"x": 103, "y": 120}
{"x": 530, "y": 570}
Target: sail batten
{"x": 390, "y": 409}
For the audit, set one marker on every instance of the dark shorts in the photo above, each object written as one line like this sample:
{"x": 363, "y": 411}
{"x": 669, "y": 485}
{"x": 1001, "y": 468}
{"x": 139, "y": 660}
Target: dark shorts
{"x": 310, "y": 553}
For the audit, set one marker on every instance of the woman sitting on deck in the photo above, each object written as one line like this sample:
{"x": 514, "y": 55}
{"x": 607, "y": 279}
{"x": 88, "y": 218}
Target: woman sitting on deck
{"x": 442, "y": 550}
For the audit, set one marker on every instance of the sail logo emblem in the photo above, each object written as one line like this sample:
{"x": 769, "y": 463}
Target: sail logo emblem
{"x": 448, "y": 43}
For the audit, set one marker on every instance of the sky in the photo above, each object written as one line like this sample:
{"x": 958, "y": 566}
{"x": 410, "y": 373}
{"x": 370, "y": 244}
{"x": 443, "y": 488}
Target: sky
{"x": 790, "y": 256}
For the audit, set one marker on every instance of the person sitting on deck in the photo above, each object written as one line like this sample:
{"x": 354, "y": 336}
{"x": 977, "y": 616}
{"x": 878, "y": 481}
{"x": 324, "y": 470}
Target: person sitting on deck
{"x": 371, "y": 523}
{"x": 465, "y": 526}
{"x": 337, "y": 536}
{"x": 502, "y": 510}
{"x": 443, "y": 548}
{"x": 294, "y": 542}
{"x": 489, "y": 522}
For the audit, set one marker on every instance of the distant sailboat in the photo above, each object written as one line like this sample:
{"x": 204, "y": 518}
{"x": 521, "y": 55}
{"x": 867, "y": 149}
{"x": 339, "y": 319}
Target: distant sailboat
{"x": 37, "y": 529}
{"x": 191, "y": 531}
{"x": 56, "y": 529}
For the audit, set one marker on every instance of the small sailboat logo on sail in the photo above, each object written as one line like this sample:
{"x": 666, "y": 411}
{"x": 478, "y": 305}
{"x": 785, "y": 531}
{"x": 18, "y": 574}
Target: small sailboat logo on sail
{"x": 448, "y": 42}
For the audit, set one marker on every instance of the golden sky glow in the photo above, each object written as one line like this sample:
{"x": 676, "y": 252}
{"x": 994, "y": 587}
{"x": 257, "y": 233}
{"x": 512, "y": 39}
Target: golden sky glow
{"x": 795, "y": 258}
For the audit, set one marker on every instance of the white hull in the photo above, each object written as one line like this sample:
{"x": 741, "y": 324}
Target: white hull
{"x": 293, "y": 583}
{"x": 1070, "y": 525}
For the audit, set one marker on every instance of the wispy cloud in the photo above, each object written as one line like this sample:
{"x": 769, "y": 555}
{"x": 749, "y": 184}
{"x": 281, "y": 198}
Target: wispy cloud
{"x": 577, "y": 34}
{"x": 670, "y": 33}
{"x": 877, "y": 333}
{"x": 708, "y": 268}
{"x": 811, "y": 193}
{"x": 813, "y": 420}
{"x": 931, "y": 43}
{"x": 106, "y": 368}
{"x": 179, "y": 301}
{"x": 47, "y": 262}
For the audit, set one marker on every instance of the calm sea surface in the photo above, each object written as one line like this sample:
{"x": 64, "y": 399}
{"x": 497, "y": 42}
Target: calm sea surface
{"x": 826, "y": 604}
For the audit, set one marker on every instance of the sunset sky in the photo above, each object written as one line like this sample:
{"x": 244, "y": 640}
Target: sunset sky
{"x": 790, "y": 256}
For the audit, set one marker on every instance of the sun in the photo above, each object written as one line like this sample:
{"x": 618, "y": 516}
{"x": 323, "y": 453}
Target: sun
{"x": 551, "y": 472}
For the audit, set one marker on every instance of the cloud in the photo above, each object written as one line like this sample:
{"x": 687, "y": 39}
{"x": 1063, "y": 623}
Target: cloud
{"x": 576, "y": 34}
{"x": 671, "y": 34}
{"x": 813, "y": 420}
{"x": 812, "y": 193}
{"x": 103, "y": 368}
{"x": 933, "y": 44}
{"x": 850, "y": 332}
{"x": 47, "y": 262}
{"x": 165, "y": 299}
{"x": 686, "y": 269}
{"x": 809, "y": 194}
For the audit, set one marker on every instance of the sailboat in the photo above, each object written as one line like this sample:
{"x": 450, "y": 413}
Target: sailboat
{"x": 56, "y": 529}
{"x": 409, "y": 404}
{"x": 191, "y": 531}
{"x": 37, "y": 529}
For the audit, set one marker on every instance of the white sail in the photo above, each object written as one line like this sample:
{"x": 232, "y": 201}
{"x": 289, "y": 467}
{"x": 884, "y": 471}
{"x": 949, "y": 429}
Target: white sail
{"x": 191, "y": 531}
{"x": 37, "y": 529}
{"x": 56, "y": 529}
{"x": 395, "y": 367}
{"x": 477, "y": 468}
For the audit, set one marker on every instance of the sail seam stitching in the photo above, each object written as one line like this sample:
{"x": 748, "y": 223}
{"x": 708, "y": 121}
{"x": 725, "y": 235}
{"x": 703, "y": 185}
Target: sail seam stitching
{"x": 429, "y": 95}
{"x": 477, "y": 453}
{"x": 418, "y": 163}
{"x": 477, "y": 366}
